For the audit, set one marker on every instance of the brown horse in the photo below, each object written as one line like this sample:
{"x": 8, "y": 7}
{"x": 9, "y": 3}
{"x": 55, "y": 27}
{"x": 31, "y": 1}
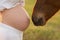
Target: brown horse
{"x": 44, "y": 10}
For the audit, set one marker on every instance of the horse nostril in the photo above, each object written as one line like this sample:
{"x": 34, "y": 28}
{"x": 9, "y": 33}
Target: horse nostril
{"x": 38, "y": 21}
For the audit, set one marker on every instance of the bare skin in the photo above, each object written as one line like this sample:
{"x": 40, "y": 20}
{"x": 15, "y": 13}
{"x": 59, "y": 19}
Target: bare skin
{"x": 16, "y": 17}
{"x": 0, "y": 17}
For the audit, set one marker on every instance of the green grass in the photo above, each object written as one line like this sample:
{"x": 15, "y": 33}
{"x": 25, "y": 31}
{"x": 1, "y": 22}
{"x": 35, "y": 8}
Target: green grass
{"x": 51, "y": 31}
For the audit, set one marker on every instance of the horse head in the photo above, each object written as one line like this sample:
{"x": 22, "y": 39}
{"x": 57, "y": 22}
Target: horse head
{"x": 44, "y": 10}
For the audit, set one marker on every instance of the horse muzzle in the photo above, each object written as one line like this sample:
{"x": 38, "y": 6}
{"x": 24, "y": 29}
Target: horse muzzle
{"x": 38, "y": 21}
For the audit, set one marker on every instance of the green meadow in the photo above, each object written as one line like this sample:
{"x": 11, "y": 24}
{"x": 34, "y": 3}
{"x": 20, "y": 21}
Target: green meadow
{"x": 50, "y": 31}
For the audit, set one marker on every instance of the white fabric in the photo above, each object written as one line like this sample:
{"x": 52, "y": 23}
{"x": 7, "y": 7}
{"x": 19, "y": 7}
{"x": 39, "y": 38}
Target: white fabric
{"x": 7, "y": 4}
{"x": 10, "y": 33}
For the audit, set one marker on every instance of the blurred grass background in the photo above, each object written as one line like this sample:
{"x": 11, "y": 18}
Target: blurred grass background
{"x": 51, "y": 31}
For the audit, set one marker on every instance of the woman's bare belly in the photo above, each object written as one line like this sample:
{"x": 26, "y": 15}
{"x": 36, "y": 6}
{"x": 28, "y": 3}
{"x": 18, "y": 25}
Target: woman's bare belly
{"x": 0, "y": 17}
{"x": 16, "y": 17}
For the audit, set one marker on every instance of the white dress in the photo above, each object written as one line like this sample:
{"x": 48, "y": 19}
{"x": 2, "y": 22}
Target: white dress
{"x": 10, "y": 33}
{"x": 7, "y": 4}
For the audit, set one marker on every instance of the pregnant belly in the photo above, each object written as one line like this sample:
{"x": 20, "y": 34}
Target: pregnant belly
{"x": 16, "y": 17}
